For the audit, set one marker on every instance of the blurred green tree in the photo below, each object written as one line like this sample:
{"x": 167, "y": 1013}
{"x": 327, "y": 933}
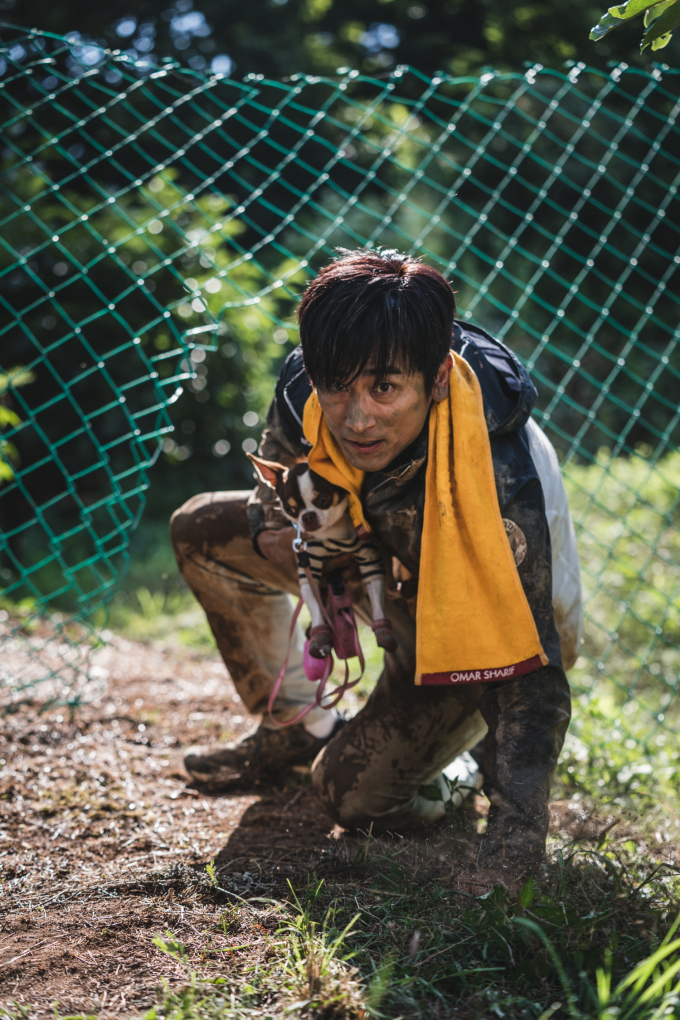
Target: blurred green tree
{"x": 224, "y": 406}
{"x": 114, "y": 270}
{"x": 9, "y": 419}
{"x": 279, "y": 37}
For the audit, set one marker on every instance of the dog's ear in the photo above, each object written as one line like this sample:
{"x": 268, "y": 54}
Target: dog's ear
{"x": 268, "y": 471}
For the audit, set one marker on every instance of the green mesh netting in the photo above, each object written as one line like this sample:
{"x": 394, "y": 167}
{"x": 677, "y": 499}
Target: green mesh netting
{"x": 549, "y": 199}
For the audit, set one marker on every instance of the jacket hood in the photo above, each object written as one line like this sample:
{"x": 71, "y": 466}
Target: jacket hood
{"x": 507, "y": 390}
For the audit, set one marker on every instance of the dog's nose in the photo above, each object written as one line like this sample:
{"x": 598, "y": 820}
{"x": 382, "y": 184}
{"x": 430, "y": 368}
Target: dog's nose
{"x": 310, "y": 521}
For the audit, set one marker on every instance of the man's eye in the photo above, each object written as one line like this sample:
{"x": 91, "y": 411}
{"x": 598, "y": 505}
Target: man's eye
{"x": 384, "y": 387}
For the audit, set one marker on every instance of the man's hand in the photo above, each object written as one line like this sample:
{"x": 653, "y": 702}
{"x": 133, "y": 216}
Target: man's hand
{"x": 277, "y": 547}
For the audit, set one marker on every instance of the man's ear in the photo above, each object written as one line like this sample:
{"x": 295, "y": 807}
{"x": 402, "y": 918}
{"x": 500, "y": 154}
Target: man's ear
{"x": 440, "y": 390}
{"x": 267, "y": 470}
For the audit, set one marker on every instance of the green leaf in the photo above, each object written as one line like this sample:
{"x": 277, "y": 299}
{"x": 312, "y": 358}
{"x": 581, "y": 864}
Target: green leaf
{"x": 526, "y": 895}
{"x": 606, "y": 23}
{"x": 431, "y": 792}
{"x": 169, "y": 944}
{"x": 380, "y": 983}
{"x": 15, "y": 377}
{"x": 662, "y": 27}
{"x": 655, "y": 12}
{"x": 635, "y": 7}
{"x": 8, "y": 417}
{"x": 624, "y": 12}
{"x": 644, "y": 970}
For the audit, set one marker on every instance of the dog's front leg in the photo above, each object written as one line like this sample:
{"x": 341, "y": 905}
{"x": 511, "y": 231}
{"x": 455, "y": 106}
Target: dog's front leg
{"x": 375, "y": 589}
{"x": 320, "y": 641}
{"x": 311, "y": 601}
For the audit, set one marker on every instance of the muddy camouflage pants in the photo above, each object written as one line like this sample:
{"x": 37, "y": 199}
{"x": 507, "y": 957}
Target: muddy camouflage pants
{"x": 373, "y": 769}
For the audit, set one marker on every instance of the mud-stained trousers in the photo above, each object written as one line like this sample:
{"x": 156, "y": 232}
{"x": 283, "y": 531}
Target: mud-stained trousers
{"x": 373, "y": 770}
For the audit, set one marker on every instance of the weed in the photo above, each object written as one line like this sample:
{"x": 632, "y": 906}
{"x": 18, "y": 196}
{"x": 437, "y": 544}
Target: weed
{"x": 317, "y": 965}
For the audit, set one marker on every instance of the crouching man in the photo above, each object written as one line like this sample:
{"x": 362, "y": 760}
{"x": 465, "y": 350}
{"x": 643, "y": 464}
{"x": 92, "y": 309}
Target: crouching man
{"x": 430, "y": 423}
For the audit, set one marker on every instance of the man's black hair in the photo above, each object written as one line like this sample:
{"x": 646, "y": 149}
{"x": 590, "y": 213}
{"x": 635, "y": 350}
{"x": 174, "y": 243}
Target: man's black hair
{"x": 375, "y": 306}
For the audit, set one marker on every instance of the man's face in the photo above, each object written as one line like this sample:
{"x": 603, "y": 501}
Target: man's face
{"x": 373, "y": 422}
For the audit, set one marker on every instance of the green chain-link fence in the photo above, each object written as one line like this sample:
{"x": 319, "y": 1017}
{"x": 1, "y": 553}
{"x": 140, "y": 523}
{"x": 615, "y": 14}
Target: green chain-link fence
{"x": 549, "y": 199}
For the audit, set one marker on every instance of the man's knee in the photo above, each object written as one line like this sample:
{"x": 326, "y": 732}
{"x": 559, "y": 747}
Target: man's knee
{"x": 208, "y": 519}
{"x": 372, "y": 771}
{"x": 369, "y": 804}
{"x": 343, "y": 780}
{"x": 346, "y": 804}
{"x": 353, "y": 774}
{"x": 183, "y": 524}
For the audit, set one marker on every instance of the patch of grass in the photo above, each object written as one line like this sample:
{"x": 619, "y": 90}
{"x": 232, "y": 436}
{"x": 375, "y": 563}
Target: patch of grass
{"x": 293, "y": 967}
{"x": 153, "y": 602}
{"x": 172, "y": 616}
{"x": 626, "y": 711}
{"x": 482, "y": 954}
{"x": 591, "y": 938}
{"x": 317, "y": 964}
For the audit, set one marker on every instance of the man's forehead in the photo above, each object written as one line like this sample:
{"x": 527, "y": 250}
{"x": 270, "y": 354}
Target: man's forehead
{"x": 392, "y": 369}
{"x": 395, "y": 368}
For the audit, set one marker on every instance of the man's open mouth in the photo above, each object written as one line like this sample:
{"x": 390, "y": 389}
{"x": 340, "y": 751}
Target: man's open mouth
{"x": 365, "y": 447}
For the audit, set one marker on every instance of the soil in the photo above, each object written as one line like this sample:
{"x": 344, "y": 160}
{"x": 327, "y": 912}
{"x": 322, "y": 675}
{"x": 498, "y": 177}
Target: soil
{"x": 103, "y": 846}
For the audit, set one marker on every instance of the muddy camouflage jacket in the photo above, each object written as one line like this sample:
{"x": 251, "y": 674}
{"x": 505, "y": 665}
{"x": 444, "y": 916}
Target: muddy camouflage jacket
{"x": 393, "y": 499}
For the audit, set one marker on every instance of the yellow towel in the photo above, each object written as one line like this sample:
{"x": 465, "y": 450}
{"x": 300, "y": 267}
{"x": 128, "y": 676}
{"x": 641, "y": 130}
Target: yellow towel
{"x": 473, "y": 621}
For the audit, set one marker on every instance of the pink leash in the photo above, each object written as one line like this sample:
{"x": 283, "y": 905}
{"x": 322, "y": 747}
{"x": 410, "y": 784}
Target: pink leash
{"x": 340, "y": 618}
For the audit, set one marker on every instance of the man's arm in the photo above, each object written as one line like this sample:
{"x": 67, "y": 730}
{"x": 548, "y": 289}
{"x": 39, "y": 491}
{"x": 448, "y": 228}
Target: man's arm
{"x": 527, "y": 717}
{"x": 566, "y": 588}
{"x": 265, "y": 517}
{"x": 282, "y": 442}
{"x": 277, "y": 547}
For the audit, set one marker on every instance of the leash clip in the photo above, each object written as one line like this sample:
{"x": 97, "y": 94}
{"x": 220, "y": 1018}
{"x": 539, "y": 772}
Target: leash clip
{"x": 299, "y": 545}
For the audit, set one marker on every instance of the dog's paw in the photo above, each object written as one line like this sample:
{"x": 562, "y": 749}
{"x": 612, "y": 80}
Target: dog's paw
{"x": 319, "y": 651}
{"x": 320, "y": 642}
{"x": 384, "y": 636}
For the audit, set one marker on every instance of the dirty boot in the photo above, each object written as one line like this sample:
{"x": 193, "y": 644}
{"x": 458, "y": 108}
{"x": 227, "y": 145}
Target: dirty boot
{"x": 261, "y": 755}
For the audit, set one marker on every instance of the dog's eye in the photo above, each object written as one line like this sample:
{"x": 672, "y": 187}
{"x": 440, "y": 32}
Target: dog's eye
{"x": 292, "y": 508}
{"x": 322, "y": 502}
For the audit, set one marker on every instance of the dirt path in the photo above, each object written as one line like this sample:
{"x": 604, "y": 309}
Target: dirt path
{"x": 103, "y": 847}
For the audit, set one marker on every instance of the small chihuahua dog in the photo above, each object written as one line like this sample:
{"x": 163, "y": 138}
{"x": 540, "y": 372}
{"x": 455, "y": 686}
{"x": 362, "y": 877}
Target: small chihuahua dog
{"x": 319, "y": 510}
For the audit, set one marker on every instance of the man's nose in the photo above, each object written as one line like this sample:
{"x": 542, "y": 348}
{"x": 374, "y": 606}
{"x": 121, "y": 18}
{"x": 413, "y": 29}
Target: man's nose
{"x": 358, "y": 417}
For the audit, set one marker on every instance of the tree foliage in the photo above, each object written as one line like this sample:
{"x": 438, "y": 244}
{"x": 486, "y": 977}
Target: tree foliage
{"x": 660, "y": 18}
{"x": 280, "y": 37}
{"x": 225, "y": 404}
{"x": 9, "y": 419}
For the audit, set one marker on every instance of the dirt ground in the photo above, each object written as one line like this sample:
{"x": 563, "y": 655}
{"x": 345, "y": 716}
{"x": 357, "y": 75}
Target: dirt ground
{"x": 103, "y": 846}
